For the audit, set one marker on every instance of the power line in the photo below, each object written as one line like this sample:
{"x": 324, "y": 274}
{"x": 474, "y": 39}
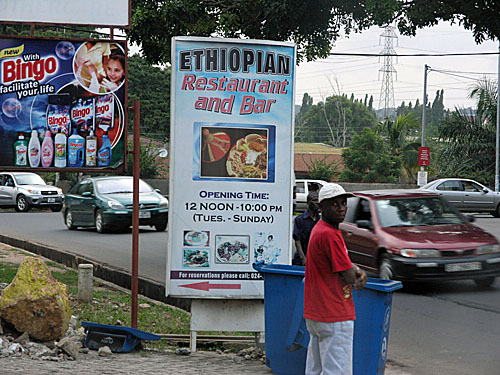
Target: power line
{"x": 416, "y": 54}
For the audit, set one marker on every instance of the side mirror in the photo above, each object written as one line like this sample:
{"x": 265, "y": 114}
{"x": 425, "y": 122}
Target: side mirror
{"x": 470, "y": 218}
{"x": 158, "y": 191}
{"x": 364, "y": 224}
{"x": 485, "y": 190}
{"x": 87, "y": 194}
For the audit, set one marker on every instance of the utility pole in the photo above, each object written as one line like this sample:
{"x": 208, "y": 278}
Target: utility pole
{"x": 387, "y": 88}
{"x": 497, "y": 149}
{"x": 424, "y": 106}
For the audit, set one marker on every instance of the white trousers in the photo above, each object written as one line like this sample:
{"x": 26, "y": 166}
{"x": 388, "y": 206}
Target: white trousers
{"x": 330, "y": 348}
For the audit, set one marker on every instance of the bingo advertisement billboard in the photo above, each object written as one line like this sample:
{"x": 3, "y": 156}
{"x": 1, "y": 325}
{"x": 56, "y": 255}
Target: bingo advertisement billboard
{"x": 231, "y": 164}
{"x": 62, "y": 104}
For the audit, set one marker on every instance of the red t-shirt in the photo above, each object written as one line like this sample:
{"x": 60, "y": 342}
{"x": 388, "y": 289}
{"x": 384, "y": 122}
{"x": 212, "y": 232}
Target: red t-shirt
{"x": 327, "y": 298}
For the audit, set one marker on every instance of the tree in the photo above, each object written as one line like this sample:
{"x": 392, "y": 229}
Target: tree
{"x": 314, "y": 28}
{"x": 469, "y": 138}
{"x": 335, "y": 121}
{"x": 367, "y": 159}
{"x": 398, "y": 135}
{"x": 307, "y": 102}
{"x": 151, "y": 86}
{"x": 321, "y": 168}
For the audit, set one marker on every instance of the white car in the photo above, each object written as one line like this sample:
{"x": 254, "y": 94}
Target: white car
{"x": 23, "y": 190}
{"x": 303, "y": 188}
{"x": 466, "y": 195}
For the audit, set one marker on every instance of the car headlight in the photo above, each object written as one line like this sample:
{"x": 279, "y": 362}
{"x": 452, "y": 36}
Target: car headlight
{"x": 32, "y": 191}
{"x": 420, "y": 253}
{"x": 163, "y": 203}
{"x": 59, "y": 191}
{"x": 115, "y": 205}
{"x": 488, "y": 249}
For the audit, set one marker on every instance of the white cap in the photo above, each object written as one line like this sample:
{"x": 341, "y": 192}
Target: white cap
{"x": 332, "y": 190}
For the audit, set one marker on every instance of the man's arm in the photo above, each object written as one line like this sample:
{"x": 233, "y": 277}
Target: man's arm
{"x": 298, "y": 246}
{"x": 356, "y": 276}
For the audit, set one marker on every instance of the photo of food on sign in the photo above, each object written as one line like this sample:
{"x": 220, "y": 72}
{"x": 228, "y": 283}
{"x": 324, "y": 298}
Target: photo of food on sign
{"x": 265, "y": 248}
{"x": 196, "y": 238}
{"x": 234, "y": 152}
{"x": 232, "y": 249}
{"x": 195, "y": 258}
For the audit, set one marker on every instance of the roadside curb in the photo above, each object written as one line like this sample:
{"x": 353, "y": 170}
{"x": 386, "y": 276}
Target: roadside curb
{"x": 115, "y": 275}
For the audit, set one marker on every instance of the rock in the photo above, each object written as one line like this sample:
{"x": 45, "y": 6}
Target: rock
{"x": 182, "y": 351}
{"x": 23, "y": 339}
{"x": 145, "y": 306}
{"x": 84, "y": 350}
{"x": 68, "y": 346}
{"x": 36, "y": 303}
{"x": 104, "y": 351}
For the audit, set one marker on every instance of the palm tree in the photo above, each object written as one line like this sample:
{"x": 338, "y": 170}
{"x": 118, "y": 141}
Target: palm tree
{"x": 398, "y": 135}
{"x": 469, "y": 138}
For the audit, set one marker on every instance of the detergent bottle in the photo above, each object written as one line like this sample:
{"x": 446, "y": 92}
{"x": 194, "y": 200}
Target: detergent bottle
{"x": 47, "y": 150}
{"x": 76, "y": 147}
{"x": 21, "y": 150}
{"x": 91, "y": 150}
{"x": 34, "y": 149}
{"x": 104, "y": 153}
{"x": 60, "y": 146}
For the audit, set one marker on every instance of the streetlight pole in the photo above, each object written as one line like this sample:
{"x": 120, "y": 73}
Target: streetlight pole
{"x": 498, "y": 122}
{"x": 424, "y": 107}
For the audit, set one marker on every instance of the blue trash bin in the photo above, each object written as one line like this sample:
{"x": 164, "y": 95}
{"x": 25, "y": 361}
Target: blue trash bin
{"x": 286, "y": 333}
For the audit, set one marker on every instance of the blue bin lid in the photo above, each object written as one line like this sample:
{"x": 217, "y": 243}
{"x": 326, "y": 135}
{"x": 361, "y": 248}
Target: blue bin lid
{"x": 284, "y": 269}
{"x": 383, "y": 285}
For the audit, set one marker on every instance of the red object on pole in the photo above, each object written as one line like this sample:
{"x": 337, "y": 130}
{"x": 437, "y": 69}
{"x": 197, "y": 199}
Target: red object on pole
{"x": 135, "y": 213}
{"x": 424, "y": 156}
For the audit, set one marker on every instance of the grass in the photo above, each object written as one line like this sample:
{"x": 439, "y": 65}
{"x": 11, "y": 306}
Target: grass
{"x": 110, "y": 305}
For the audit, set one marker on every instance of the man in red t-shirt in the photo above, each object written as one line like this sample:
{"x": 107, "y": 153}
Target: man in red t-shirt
{"x": 328, "y": 305}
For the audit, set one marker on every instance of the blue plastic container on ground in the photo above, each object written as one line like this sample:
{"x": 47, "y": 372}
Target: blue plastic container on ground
{"x": 286, "y": 333}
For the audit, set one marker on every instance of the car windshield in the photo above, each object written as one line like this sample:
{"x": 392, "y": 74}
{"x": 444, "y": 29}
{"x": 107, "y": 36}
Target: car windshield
{"x": 399, "y": 212}
{"x": 29, "y": 179}
{"x": 121, "y": 186}
{"x": 427, "y": 186}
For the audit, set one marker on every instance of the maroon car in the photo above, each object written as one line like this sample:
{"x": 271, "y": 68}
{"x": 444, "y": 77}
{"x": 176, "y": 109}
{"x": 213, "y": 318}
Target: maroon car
{"x": 411, "y": 235}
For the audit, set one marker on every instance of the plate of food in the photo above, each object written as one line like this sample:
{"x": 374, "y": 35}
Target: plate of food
{"x": 194, "y": 238}
{"x": 215, "y": 146}
{"x": 232, "y": 251}
{"x": 248, "y": 157}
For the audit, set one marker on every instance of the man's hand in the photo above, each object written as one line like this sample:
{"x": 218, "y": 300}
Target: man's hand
{"x": 361, "y": 279}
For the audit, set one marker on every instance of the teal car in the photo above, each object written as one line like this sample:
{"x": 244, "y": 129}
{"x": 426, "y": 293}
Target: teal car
{"x": 106, "y": 203}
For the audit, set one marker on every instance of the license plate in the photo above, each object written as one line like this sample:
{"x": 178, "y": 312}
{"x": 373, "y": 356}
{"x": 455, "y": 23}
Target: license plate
{"x": 51, "y": 200}
{"x": 457, "y": 267}
{"x": 144, "y": 214}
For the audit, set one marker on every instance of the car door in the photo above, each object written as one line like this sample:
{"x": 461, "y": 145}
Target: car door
{"x": 87, "y": 205}
{"x": 475, "y": 197}
{"x": 78, "y": 204}
{"x": 360, "y": 239}
{"x": 7, "y": 190}
{"x": 301, "y": 195}
{"x": 452, "y": 191}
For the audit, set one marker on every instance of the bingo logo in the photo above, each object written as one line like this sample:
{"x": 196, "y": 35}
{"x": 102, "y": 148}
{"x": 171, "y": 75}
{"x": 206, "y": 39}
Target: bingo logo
{"x": 102, "y": 109}
{"x": 21, "y": 70}
{"x": 80, "y": 112}
{"x": 53, "y": 120}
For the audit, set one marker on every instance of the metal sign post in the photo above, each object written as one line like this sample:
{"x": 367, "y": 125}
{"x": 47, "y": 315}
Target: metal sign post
{"x": 135, "y": 213}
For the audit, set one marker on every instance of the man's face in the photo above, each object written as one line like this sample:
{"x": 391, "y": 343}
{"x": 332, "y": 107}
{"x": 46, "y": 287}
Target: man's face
{"x": 313, "y": 204}
{"x": 334, "y": 209}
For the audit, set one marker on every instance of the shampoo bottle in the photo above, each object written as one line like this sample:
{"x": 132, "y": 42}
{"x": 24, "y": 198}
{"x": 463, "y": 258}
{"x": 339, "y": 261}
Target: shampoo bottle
{"x": 47, "y": 150}
{"x": 91, "y": 150}
{"x": 60, "y": 146}
{"x": 104, "y": 153}
{"x": 34, "y": 149}
{"x": 76, "y": 147}
{"x": 20, "y": 151}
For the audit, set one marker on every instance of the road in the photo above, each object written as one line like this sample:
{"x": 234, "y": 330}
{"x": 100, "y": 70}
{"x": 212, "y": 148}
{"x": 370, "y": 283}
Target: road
{"x": 440, "y": 328}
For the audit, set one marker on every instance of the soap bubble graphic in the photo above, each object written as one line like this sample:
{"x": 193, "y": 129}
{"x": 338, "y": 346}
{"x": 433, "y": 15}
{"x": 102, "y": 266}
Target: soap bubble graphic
{"x": 11, "y": 107}
{"x": 65, "y": 50}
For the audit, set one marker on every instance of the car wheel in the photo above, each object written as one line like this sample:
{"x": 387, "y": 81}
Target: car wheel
{"x": 484, "y": 282}
{"x": 68, "y": 220}
{"x": 497, "y": 211}
{"x": 386, "y": 269}
{"x": 99, "y": 222}
{"x": 160, "y": 227}
{"x": 22, "y": 204}
{"x": 56, "y": 208}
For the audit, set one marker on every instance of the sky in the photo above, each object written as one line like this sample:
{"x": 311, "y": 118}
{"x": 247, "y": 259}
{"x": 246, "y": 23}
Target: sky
{"x": 360, "y": 75}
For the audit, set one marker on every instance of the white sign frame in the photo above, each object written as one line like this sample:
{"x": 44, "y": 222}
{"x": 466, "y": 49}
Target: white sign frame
{"x": 221, "y": 223}
{"x": 109, "y": 13}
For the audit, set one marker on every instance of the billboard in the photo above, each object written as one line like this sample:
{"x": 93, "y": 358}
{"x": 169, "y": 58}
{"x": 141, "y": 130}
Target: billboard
{"x": 231, "y": 164}
{"x": 107, "y": 13}
{"x": 62, "y": 104}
